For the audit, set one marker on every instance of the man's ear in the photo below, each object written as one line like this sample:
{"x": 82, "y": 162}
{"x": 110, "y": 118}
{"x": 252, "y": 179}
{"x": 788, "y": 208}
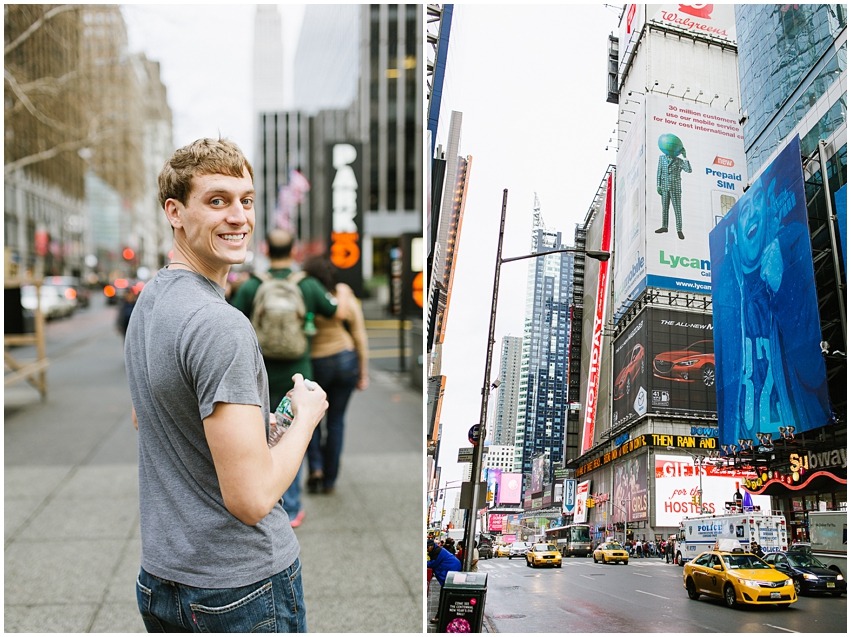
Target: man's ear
{"x": 172, "y": 209}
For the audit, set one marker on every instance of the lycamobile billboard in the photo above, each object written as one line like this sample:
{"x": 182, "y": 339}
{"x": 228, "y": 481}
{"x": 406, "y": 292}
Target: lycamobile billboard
{"x": 682, "y": 168}
{"x": 769, "y": 366}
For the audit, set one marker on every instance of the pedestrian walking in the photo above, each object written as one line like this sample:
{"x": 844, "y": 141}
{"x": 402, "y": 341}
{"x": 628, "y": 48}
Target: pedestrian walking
{"x": 340, "y": 356}
{"x": 218, "y": 553}
{"x": 474, "y": 566}
{"x": 669, "y": 552}
{"x": 441, "y": 562}
{"x": 450, "y": 545}
{"x": 317, "y": 301}
{"x": 125, "y": 311}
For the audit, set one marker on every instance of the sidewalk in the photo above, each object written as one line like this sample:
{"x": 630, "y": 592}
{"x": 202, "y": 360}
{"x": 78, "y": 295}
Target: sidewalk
{"x": 71, "y": 529}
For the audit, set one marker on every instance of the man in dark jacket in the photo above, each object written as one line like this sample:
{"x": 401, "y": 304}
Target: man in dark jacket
{"x": 441, "y": 562}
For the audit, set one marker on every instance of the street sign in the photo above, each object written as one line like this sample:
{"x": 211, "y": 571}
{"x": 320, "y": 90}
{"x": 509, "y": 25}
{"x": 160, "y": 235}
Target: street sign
{"x": 473, "y": 435}
{"x": 465, "y": 454}
{"x": 569, "y": 495}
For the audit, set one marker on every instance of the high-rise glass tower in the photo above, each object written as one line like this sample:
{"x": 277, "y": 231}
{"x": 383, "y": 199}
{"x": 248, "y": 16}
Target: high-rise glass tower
{"x": 543, "y": 398}
{"x": 505, "y": 416}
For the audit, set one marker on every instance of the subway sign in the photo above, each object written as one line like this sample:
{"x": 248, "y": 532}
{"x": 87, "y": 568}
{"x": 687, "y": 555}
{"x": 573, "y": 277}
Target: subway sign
{"x": 648, "y": 440}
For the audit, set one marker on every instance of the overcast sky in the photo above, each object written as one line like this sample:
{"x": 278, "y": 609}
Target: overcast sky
{"x": 205, "y": 53}
{"x": 531, "y": 84}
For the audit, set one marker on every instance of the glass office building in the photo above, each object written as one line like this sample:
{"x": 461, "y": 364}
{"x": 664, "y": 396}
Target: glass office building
{"x": 791, "y": 58}
{"x": 793, "y": 77}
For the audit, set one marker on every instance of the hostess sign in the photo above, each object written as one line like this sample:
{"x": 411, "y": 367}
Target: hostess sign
{"x": 684, "y": 170}
{"x": 346, "y": 224}
{"x": 771, "y": 371}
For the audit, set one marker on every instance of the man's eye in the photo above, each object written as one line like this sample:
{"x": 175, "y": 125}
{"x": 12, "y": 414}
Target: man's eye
{"x": 247, "y": 202}
{"x": 217, "y": 201}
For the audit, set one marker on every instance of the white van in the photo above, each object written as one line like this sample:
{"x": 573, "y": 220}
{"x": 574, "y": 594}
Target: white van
{"x": 700, "y": 533}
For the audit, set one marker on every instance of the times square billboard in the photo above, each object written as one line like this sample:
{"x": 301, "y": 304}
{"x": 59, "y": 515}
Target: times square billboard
{"x": 771, "y": 372}
{"x": 664, "y": 362}
{"x": 681, "y": 168}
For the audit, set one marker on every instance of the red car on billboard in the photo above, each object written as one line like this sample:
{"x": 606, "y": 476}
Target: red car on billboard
{"x": 692, "y": 364}
{"x": 625, "y": 382}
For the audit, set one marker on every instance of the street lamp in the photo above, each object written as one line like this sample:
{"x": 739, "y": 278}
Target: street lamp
{"x": 699, "y": 462}
{"x": 470, "y": 528}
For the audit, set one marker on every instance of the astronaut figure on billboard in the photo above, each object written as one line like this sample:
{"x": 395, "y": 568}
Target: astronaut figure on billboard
{"x": 767, "y": 328}
{"x": 669, "y": 181}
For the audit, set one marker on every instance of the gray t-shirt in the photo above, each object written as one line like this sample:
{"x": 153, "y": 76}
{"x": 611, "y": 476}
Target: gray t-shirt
{"x": 187, "y": 349}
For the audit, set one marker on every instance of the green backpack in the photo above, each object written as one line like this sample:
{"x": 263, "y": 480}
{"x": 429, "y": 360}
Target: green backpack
{"x": 278, "y": 315}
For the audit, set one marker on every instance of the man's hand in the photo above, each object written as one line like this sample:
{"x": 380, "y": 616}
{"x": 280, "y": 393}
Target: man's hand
{"x": 771, "y": 266}
{"x": 308, "y": 405}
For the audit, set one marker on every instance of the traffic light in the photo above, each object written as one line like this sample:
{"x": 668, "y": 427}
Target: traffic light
{"x": 590, "y": 503}
{"x": 695, "y": 500}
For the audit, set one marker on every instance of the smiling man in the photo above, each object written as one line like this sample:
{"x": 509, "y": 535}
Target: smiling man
{"x": 218, "y": 552}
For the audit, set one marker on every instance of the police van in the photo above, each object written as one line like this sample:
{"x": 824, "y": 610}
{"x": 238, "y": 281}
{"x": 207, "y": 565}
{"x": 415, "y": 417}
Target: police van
{"x": 700, "y": 533}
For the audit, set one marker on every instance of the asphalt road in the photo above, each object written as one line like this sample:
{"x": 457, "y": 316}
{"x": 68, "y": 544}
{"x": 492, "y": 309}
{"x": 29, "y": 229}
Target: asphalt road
{"x": 645, "y": 596}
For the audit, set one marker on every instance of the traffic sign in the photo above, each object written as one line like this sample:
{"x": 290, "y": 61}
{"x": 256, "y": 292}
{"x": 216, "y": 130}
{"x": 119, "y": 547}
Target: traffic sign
{"x": 473, "y": 435}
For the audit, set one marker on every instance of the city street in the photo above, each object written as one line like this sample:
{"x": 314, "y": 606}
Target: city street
{"x": 71, "y": 533}
{"x": 645, "y": 596}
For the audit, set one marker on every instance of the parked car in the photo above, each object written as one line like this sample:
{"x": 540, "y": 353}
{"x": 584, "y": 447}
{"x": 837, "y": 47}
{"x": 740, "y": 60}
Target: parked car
{"x": 611, "y": 552}
{"x": 53, "y": 303}
{"x": 737, "y": 578}
{"x": 808, "y": 573}
{"x": 518, "y": 549}
{"x": 625, "y": 380}
{"x": 72, "y": 288}
{"x": 115, "y": 291}
{"x": 695, "y": 363}
{"x": 543, "y": 554}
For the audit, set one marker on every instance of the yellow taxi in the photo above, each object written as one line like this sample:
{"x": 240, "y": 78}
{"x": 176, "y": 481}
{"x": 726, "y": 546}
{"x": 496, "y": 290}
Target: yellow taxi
{"x": 610, "y": 552}
{"x": 502, "y": 550}
{"x": 737, "y": 577}
{"x": 541, "y": 554}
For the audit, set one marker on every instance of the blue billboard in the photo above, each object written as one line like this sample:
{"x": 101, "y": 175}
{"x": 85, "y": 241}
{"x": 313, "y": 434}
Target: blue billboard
{"x": 769, "y": 367}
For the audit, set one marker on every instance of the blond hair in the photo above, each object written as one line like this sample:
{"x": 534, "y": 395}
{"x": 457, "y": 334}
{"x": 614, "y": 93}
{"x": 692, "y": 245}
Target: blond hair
{"x": 202, "y": 157}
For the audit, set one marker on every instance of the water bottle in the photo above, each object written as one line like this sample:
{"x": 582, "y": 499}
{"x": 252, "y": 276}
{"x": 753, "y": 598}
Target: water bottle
{"x": 284, "y": 412}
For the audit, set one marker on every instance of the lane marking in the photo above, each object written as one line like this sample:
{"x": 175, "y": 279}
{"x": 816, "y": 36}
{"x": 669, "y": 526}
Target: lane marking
{"x": 653, "y": 594}
{"x": 587, "y": 577}
{"x": 643, "y": 575}
{"x": 781, "y": 628}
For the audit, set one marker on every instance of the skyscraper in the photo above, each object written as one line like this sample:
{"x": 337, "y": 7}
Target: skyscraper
{"x": 505, "y": 416}
{"x": 268, "y": 59}
{"x": 543, "y": 396}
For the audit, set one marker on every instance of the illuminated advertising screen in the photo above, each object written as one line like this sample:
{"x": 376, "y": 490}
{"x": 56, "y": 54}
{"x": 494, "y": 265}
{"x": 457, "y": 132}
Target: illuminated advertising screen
{"x": 537, "y": 476}
{"x": 681, "y": 359}
{"x": 630, "y": 490}
{"x": 678, "y": 482}
{"x": 583, "y": 491}
{"x": 509, "y": 488}
{"x": 769, "y": 366}
{"x": 685, "y": 169}
{"x": 496, "y": 523}
{"x": 630, "y": 372}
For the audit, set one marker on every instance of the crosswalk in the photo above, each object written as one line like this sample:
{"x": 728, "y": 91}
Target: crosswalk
{"x": 500, "y": 568}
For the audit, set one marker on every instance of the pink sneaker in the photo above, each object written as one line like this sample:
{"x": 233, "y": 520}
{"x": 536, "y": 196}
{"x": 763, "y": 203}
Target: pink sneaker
{"x": 296, "y": 522}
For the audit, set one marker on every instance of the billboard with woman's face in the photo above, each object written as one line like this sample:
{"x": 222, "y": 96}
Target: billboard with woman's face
{"x": 769, "y": 366}
{"x": 631, "y": 490}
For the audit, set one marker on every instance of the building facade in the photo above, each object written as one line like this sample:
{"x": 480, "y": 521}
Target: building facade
{"x": 543, "y": 397}
{"x": 505, "y": 411}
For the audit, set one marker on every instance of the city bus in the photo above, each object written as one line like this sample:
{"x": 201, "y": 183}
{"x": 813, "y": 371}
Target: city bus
{"x": 573, "y": 539}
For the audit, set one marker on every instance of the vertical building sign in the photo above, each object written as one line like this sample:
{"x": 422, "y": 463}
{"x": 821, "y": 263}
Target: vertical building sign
{"x": 769, "y": 366}
{"x": 597, "y": 335}
{"x": 583, "y": 490}
{"x": 346, "y": 213}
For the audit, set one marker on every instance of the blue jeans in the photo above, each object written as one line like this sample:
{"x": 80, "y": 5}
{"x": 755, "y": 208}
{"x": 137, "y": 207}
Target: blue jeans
{"x": 291, "y": 500}
{"x": 338, "y": 376}
{"x": 273, "y": 605}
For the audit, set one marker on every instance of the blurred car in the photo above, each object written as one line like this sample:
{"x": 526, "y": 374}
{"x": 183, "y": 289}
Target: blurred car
{"x": 694, "y": 363}
{"x": 808, "y": 573}
{"x": 502, "y": 550}
{"x": 53, "y": 303}
{"x": 72, "y": 288}
{"x": 626, "y": 378}
{"x": 543, "y": 554}
{"x": 518, "y": 549}
{"x": 737, "y": 578}
{"x": 611, "y": 552}
{"x": 115, "y": 291}
{"x": 485, "y": 552}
